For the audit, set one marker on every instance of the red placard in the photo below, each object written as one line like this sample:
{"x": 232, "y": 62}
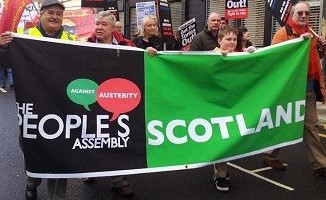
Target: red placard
{"x": 236, "y": 9}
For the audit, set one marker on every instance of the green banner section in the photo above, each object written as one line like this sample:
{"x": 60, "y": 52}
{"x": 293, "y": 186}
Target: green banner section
{"x": 202, "y": 108}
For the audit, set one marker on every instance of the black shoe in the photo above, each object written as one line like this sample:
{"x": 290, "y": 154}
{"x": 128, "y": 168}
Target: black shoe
{"x": 30, "y": 193}
{"x": 320, "y": 172}
{"x": 89, "y": 180}
{"x": 221, "y": 184}
{"x": 12, "y": 86}
{"x": 124, "y": 191}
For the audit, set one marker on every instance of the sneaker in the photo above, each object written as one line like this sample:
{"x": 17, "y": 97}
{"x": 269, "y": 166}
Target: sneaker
{"x": 221, "y": 184}
{"x": 275, "y": 164}
{"x": 320, "y": 172}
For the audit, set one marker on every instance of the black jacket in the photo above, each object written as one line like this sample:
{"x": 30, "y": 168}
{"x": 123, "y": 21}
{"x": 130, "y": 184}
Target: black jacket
{"x": 204, "y": 41}
{"x": 154, "y": 41}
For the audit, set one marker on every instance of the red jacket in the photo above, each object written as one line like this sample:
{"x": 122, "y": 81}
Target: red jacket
{"x": 118, "y": 36}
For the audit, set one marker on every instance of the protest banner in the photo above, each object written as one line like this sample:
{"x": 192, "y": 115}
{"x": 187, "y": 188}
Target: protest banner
{"x": 104, "y": 115}
{"x": 164, "y": 13}
{"x": 11, "y": 13}
{"x": 187, "y": 32}
{"x": 93, "y": 3}
{"x": 280, "y": 9}
{"x": 143, "y": 9}
{"x": 79, "y": 22}
{"x": 112, "y": 6}
{"x": 236, "y": 9}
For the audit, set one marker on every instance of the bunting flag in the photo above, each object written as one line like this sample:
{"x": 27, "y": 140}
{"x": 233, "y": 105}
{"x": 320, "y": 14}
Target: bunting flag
{"x": 280, "y": 9}
{"x": 11, "y": 14}
{"x": 88, "y": 110}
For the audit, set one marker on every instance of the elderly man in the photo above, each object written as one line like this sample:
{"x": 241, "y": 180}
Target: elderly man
{"x": 206, "y": 40}
{"x": 51, "y": 16}
{"x": 105, "y": 31}
{"x": 118, "y": 27}
{"x": 105, "y": 34}
{"x": 298, "y": 26}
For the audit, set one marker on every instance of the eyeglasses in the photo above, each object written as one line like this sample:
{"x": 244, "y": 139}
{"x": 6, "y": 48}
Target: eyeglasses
{"x": 300, "y": 13}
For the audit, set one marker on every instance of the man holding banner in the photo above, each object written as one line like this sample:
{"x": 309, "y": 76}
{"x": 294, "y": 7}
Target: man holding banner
{"x": 297, "y": 26}
{"x": 105, "y": 24}
{"x": 51, "y": 17}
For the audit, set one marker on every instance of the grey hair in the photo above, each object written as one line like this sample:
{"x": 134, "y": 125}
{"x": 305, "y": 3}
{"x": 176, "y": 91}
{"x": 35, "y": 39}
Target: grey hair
{"x": 107, "y": 13}
{"x": 293, "y": 7}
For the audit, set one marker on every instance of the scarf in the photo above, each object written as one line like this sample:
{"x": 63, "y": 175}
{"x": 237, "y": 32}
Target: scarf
{"x": 314, "y": 70}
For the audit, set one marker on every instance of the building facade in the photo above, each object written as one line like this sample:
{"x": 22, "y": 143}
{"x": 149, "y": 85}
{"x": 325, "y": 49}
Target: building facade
{"x": 260, "y": 23}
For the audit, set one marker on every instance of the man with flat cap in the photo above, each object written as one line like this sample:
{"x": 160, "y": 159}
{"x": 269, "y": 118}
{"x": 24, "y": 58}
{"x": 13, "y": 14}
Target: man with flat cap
{"x": 50, "y": 25}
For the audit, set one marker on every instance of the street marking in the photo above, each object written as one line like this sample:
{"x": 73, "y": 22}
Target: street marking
{"x": 2, "y": 90}
{"x": 259, "y": 176}
{"x": 265, "y": 168}
{"x": 261, "y": 169}
{"x": 322, "y": 135}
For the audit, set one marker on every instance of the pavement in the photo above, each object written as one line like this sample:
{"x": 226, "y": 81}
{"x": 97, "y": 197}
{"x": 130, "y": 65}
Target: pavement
{"x": 250, "y": 179}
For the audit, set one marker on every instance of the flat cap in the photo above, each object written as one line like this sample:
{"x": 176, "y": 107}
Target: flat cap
{"x": 49, "y": 3}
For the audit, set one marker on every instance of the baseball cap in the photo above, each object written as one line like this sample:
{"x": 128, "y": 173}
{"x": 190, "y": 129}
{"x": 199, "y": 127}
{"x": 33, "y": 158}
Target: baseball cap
{"x": 48, "y": 3}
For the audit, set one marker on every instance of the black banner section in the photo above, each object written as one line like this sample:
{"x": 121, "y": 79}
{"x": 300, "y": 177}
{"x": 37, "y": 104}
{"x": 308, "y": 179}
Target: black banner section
{"x": 280, "y": 9}
{"x": 93, "y": 3}
{"x": 164, "y": 13}
{"x": 80, "y": 113}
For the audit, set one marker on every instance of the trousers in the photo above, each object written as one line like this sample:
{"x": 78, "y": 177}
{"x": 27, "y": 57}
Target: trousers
{"x": 315, "y": 151}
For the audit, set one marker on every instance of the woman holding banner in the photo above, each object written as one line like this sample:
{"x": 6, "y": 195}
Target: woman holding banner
{"x": 149, "y": 36}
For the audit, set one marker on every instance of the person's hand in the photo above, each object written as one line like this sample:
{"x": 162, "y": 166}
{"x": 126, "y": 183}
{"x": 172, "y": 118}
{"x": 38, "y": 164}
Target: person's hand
{"x": 151, "y": 51}
{"x": 306, "y": 35}
{"x": 5, "y": 39}
{"x": 225, "y": 52}
{"x": 251, "y": 49}
{"x": 323, "y": 91}
{"x": 322, "y": 43}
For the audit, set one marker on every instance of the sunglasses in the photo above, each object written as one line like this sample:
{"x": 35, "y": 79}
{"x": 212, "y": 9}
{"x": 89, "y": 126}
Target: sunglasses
{"x": 300, "y": 13}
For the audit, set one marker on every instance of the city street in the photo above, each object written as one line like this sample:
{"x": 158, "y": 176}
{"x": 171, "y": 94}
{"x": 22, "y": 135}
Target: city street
{"x": 250, "y": 179}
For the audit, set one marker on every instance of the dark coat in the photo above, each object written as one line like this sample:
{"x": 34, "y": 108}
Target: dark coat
{"x": 204, "y": 41}
{"x": 5, "y": 62}
{"x": 154, "y": 41}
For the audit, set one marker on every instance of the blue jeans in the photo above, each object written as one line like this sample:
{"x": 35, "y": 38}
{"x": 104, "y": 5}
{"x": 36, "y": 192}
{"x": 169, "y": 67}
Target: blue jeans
{"x": 3, "y": 78}
{"x": 9, "y": 76}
